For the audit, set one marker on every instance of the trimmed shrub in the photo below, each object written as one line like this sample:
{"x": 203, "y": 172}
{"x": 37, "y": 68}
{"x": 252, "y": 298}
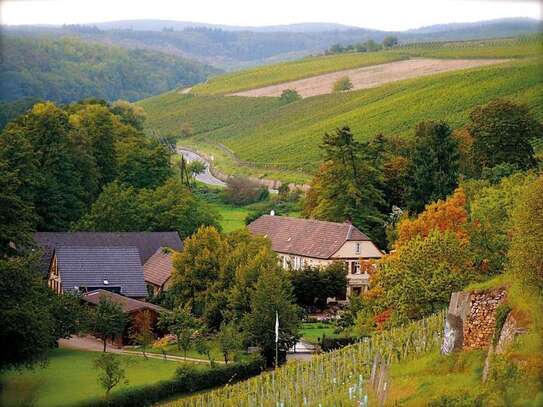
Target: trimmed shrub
{"x": 187, "y": 380}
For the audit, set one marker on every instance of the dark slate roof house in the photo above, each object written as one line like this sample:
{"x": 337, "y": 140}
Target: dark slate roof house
{"x": 147, "y": 243}
{"x": 83, "y": 268}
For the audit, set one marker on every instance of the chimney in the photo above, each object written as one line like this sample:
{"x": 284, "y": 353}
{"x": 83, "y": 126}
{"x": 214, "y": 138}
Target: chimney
{"x": 272, "y": 213}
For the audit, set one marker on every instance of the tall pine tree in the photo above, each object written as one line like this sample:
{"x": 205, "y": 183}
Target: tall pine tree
{"x": 434, "y": 165}
{"x": 347, "y": 186}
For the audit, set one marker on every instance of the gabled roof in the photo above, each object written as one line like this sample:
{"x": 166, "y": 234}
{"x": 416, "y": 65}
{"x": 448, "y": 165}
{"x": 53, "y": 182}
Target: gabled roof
{"x": 146, "y": 242}
{"x": 159, "y": 267}
{"x": 305, "y": 237}
{"x": 127, "y": 304}
{"x": 81, "y": 266}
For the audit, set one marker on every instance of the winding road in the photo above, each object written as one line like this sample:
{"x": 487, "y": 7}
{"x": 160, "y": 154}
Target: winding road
{"x": 206, "y": 177}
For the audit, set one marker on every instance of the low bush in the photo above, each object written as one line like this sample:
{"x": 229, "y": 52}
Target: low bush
{"x": 330, "y": 344}
{"x": 188, "y": 379}
{"x": 244, "y": 191}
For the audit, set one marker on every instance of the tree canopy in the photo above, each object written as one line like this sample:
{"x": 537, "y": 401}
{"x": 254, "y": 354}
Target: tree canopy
{"x": 347, "y": 185}
{"x": 69, "y": 69}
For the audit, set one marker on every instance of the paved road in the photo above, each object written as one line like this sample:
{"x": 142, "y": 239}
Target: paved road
{"x": 206, "y": 177}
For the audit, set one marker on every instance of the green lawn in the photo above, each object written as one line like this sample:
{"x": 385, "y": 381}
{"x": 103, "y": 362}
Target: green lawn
{"x": 192, "y": 353}
{"x": 70, "y": 377}
{"x": 233, "y": 217}
{"x": 312, "y": 332}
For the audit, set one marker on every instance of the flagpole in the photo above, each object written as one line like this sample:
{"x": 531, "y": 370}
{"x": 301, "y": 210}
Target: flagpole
{"x": 276, "y": 340}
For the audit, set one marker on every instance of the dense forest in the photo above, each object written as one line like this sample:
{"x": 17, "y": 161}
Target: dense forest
{"x": 68, "y": 69}
{"x": 237, "y": 47}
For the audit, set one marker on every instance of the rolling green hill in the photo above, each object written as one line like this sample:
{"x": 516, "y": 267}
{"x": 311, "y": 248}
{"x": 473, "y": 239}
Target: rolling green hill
{"x": 313, "y": 66}
{"x": 289, "y": 71}
{"x": 264, "y": 137}
{"x": 260, "y": 136}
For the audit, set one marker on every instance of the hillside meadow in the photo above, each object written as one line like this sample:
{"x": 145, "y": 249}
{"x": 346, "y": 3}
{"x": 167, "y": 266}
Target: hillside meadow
{"x": 263, "y": 137}
{"x": 318, "y": 65}
{"x": 289, "y": 71}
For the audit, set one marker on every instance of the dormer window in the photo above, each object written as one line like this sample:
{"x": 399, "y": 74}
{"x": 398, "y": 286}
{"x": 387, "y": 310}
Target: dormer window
{"x": 357, "y": 248}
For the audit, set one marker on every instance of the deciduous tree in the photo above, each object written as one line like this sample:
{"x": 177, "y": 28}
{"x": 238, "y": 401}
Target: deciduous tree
{"x": 142, "y": 330}
{"x": 448, "y": 215}
{"x": 418, "y": 279}
{"x": 230, "y": 341}
{"x": 502, "y": 131}
{"x": 111, "y": 372}
{"x": 107, "y": 320}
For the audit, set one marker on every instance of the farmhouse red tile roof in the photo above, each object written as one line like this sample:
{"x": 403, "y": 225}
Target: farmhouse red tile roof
{"x": 305, "y": 237}
{"x": 128, "y": 305}
{"x": 158, "y": 268}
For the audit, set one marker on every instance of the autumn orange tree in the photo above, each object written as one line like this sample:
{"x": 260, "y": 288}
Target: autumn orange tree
{"x": 443, "y": 215}
{"x": 419, "y": 277}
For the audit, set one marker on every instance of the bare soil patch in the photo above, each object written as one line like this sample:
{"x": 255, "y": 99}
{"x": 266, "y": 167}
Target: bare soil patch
{"x": 370, "y": 76}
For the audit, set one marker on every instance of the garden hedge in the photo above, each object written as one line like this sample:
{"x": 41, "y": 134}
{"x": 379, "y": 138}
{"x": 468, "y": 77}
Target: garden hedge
{"x": 186, "y": 380}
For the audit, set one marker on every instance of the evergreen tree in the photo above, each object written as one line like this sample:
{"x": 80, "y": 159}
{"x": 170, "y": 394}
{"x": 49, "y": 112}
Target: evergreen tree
{"x": 347, "y": 186}
{"x": 434, "y": 165}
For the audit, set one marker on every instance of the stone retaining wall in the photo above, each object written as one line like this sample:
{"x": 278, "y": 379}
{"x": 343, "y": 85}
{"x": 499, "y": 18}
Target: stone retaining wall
{"x": 471, "y": 319}
{"x": 480, "y": 323}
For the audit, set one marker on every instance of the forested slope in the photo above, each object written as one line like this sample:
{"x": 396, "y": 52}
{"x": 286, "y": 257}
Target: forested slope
{"x": 68, "y": 69}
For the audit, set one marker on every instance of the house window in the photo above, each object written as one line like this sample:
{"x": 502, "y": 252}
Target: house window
{"x": 356, "y": 267}
{"x": 357, "y": 248}
{"x": 298, "y": 263}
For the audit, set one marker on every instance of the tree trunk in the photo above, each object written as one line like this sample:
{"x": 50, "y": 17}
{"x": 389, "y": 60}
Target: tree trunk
{"x": 105, "y": 342}
{"x": 225, "y": 358}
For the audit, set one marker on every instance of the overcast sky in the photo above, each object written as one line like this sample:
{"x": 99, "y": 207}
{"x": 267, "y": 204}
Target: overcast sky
{"x": 379, "y": 14}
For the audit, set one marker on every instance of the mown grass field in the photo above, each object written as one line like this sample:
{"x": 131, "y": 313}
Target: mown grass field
{"x": 292, "y": 70}
{"x": 232, "y": 217}
{"x": 70, "y": 378}
{"x": 313, "y": 332}
{"x": 259, "y": 136}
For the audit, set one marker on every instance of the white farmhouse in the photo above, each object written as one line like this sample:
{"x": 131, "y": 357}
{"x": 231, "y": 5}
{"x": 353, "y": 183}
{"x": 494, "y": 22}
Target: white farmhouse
{"x": 301, "y": 242}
